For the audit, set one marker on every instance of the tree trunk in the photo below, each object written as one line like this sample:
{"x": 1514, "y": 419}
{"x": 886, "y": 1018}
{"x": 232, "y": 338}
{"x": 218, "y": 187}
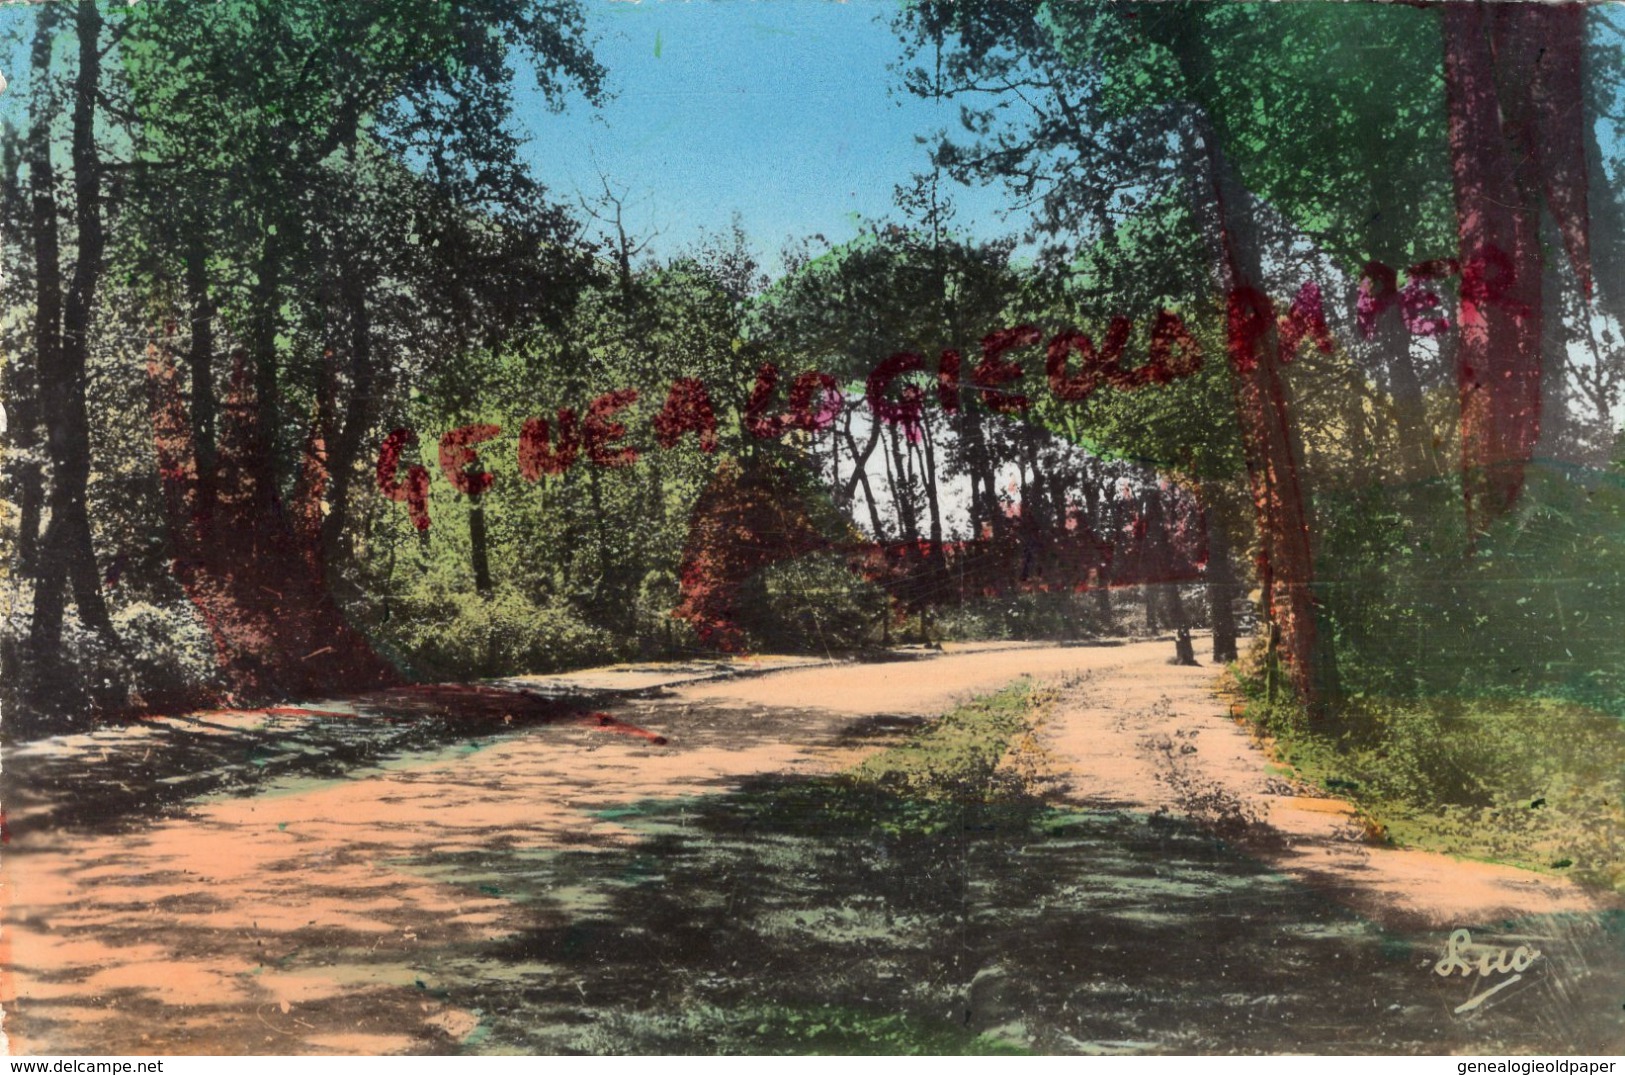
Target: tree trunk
{"x": 262, "y": 333}
{"x": 933, "y": 507}
{"x": 1417, "y": 451}
{"x": 1512, "y": 75}
{"x": 1184, "y": 647}
{"x": 1099, "y": 525}
{"x": 1035, "y": 489}
{"x": 201, "y": 360}
{"x": 600, "y": 527}
{"x": 67, "y": 558}
{"x": 1418, "y": 454}
{"x": 476, "y": 538}
{"x": 1222, "y": 586}
{"x": 22, "y": 387}
{"x": 860, "y": 473}
{"x": 343, "y": 444}
{"x": 983, "y": 472}
{"x": 23, "y": 458}
{"x": 1557, "y": 437}
{"x": 1165, "y": 574}
{"x": 25, "y": 404}
{"x": 1269, "y": 439}
{"x": 897, "y": 480}
{"x": 252, "y": 562}
{"x": 344, "y": 448}
{"x": 248, "y": 568}
{"x": 835, "y": 464}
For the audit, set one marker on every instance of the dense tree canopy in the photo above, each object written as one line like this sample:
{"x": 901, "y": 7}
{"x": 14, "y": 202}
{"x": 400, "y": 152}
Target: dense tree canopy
{"x": 311, "y": 385}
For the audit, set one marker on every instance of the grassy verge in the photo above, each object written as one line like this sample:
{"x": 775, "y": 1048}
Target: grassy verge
{"x": 1532, "y": 782}
{"x": 928, "y": 901}
{"x": 982, "y": 752}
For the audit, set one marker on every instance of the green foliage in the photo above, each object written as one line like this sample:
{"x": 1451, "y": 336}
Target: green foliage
{"x": 443, "y": 633}
{"x": 171, "y": 655}
{"x": 354, "y": 220}
{"x": 1186, "y": 428}
{"x": 844, "y": 309}
{"x": 657, "y": 629}
{"x": 957, "y": 759}
{"x": 1413, "y": 614}
{"x": 1482, "y": 705}
{"x": 596, "y": 549}
{"x": 814, "y": 603}
{"x": 1538, "y": 783}
{"x": 1348, "y": 142}
{"x": 166, "y": 660}
{"x": 1023, "y": 617}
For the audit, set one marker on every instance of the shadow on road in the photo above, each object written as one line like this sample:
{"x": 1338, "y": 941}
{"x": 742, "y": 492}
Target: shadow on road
{"x": 797, "y": 916}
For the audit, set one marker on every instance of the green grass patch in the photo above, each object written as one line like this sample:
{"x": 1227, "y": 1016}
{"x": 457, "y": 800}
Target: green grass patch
{"x": 826, "y": 1029}
{"x": 955, "y": 757}
{"x": 1532, "y": 782}
{"x": 971, "y": 756}
{"x": 813, "y": 1030}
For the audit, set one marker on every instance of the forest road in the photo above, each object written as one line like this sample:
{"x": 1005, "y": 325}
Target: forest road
{"x": 673, "y": 876}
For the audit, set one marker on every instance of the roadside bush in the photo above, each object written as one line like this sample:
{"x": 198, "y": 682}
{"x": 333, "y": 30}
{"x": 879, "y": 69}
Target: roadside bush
{"x": 441, "y": 633}
{"x": 1481, "y": 704}
{"x": 1059, "y": 615}
{"x": 813, "y": 603}
{"x": 659, "y": 633}
{"x": 1537, "y": 606}
{"x": 1535, "y": 782}
{"x": 165, "y": 659}
{"x": 171, "y": 655}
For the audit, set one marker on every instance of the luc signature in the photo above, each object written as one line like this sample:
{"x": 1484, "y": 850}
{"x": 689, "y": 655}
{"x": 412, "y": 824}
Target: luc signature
{"x": 1460, "y": 953}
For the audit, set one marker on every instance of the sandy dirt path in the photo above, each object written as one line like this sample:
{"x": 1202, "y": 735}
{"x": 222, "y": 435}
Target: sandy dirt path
{"x": 1132, "y": 731}
{"x": 298, "y": 917}
{"x": 1140, "y": 734}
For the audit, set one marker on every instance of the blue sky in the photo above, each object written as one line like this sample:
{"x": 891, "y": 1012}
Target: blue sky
{"x": 782, "y": 110}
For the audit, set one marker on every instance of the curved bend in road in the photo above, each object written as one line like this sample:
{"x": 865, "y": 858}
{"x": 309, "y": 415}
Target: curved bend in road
{"x": 550, "y": 886}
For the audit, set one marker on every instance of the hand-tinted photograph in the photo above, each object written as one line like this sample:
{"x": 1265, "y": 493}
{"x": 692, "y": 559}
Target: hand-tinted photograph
{"x": 898, "y": 526}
